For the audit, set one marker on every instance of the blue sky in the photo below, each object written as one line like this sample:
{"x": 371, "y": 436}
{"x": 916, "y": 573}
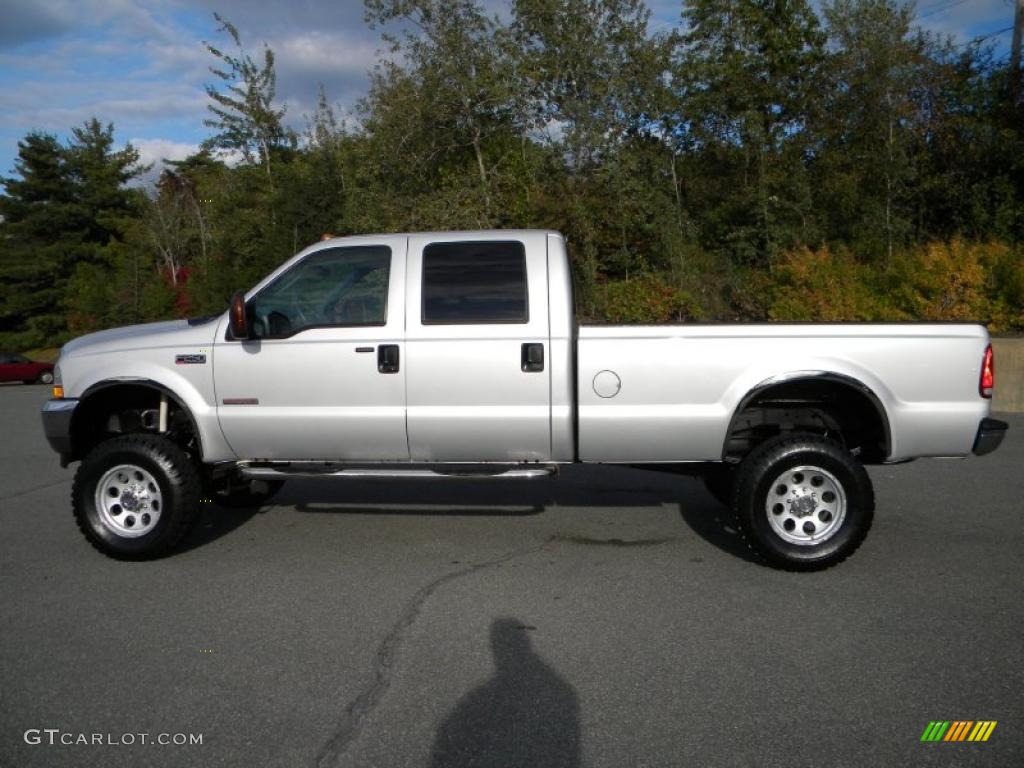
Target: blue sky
{"x": 141, "y": 64}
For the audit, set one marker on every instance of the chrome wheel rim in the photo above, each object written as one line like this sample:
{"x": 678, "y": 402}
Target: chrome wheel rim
{"x": 129, "y": 501}
{"x": 805, "y": 505}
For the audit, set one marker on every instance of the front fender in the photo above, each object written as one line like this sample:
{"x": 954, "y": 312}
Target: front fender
{"x": 193, "y": 390}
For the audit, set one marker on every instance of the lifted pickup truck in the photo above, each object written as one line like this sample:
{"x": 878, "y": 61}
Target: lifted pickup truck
{"x": 457, "y": 353}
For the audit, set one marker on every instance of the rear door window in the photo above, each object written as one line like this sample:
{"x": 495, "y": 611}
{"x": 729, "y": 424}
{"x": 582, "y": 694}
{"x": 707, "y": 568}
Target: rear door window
{"x": 474, "y": 283}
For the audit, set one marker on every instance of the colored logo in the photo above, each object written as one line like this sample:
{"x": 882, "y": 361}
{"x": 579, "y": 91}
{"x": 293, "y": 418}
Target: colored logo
{"x": 958, "y": 730}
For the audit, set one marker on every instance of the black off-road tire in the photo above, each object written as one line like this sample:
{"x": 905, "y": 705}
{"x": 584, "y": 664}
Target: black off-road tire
{"x": 786, "y": 502}
{"x": 154, "y": 469}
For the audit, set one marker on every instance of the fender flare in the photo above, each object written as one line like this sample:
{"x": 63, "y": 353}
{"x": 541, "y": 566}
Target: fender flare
{"x": 835, "y": 378}
{"x": 99, "y": 386}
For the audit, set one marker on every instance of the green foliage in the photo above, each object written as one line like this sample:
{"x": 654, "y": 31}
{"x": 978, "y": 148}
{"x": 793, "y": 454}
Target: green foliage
{"x": 827, "y": 286}
{"x": 244, "y": 116}
{"x": 750, "y": 73}
{"x": 644, "y": 299}
{"x": 759, "y": 162}
{"x": 952, "y": 281}
{"x": 66, "y": 205}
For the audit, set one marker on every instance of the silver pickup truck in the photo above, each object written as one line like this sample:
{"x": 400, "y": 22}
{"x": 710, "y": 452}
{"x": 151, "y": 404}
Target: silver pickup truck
{"x": 457, "y": 354}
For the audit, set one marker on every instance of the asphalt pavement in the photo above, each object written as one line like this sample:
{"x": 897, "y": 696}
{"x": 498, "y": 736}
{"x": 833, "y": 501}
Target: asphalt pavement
{"x": 602, "y": 618}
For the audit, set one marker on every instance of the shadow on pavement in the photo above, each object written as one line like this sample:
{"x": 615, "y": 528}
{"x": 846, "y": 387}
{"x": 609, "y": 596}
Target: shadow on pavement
{"x": 525, "y": 716}
{"x": 598, "y": 486}
{"x": 213, "y": 523}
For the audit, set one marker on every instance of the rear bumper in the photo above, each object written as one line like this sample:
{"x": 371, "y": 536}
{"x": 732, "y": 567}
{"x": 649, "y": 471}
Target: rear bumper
{"x": 990, "y": 435}
{"x": 57, "y": 416}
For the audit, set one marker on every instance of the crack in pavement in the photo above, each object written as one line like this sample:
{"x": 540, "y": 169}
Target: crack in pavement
{"x": 387, "y": 652}
{"x": 591, "y": 542}
{"x": 37, "y": 488}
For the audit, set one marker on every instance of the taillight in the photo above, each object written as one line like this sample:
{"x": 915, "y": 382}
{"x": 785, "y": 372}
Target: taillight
{"x": 988, "y": 373}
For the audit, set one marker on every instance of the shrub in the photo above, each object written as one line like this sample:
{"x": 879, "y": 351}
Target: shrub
{"x": 825, "y": 286}
{"x": 649, "y": 298}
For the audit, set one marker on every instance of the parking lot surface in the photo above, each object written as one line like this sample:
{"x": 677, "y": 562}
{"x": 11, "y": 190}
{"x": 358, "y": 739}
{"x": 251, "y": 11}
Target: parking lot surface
{"x": 602, "y": 618}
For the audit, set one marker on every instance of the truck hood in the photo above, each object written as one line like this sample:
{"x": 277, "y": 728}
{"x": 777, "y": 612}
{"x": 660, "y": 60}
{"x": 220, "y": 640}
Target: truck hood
{"x": 173, "y": 333}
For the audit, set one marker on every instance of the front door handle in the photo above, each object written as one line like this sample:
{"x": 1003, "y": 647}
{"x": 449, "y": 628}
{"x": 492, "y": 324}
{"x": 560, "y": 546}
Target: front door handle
{"x": 387, "y": 358}
{"x": 532, "y": 358}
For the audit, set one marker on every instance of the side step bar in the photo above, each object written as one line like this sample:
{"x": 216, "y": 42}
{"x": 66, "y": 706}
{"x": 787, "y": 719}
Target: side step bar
{"x": 283, "y": 470}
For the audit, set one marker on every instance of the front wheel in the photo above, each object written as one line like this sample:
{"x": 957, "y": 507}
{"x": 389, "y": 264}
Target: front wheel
{"x": 135, "y": 496}
{"x": 803, "y": 502}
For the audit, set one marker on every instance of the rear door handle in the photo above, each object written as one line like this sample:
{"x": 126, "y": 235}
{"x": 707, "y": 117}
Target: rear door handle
{"x": 532, "y": 358}
{"x": 387, "y": 358}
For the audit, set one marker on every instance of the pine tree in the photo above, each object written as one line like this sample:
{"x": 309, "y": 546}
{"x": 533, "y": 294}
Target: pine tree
{"x": 40, "y": 234}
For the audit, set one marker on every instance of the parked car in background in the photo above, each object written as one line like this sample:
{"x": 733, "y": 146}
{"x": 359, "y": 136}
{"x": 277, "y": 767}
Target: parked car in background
{"x": 14, "y": 367}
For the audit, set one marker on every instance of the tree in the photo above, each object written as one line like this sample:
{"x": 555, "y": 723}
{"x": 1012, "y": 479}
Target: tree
{"x": 585, "y": 71}
{"x": 38, "y": 237}
{"x": 588, "y": 76}
{"x": 99, "y": 173}
{"x": 446, "y": 109}
{"x": 748, "y": 73}
{"x": 68, "y": 205}
{"x": 865, "y": 168}
{"x": 967, "y": 148}
{"x": 245, "y": 118}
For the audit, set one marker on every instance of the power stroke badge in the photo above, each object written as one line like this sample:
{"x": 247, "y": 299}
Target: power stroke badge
{"x": 190, "y": 360}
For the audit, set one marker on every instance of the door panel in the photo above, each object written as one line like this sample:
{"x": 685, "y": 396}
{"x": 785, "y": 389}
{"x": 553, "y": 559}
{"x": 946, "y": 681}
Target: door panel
{"x": 469, "y": 397}
{"x": 311, "y": 386}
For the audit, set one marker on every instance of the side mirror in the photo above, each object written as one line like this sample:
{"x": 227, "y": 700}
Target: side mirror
{"x": 239, "y": 317}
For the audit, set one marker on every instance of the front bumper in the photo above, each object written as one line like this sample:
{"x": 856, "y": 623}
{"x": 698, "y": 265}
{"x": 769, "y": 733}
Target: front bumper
{"x": 57, "y": 416}
{"x": 990, "y": 435}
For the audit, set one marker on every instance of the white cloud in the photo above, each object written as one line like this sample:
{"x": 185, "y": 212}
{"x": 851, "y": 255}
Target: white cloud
{"x": 156, "y": 150}
{"x": 155, "y": 153}
{"x": 324, "y": 52}
{"x": 305, "y": 61}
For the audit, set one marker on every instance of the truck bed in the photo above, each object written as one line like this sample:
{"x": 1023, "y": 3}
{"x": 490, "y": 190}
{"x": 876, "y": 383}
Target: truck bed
{"x": 681, "y": 384}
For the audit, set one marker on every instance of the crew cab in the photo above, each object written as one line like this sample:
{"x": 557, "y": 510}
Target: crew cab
{"x": 457, "y": 354}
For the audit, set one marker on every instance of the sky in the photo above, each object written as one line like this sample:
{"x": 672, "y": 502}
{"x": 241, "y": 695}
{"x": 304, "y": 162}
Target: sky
{"x": 142, "y": 64}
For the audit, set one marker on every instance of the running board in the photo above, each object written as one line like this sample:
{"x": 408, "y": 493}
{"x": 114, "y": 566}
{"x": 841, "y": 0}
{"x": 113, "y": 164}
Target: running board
{"x": 284, "y": 470}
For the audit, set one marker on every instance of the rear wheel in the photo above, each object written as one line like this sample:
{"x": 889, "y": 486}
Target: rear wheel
{"x": 803, "y": 502}
{"x": 135, "y": 496}
{"x": 46, "y": 377}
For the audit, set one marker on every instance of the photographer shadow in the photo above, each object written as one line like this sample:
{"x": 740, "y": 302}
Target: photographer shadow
{"x": 525, "y": 716}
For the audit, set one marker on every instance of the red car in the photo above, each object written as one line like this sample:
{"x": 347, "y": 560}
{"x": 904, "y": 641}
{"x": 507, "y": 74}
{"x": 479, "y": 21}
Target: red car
{"x": 15, "y": 367}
